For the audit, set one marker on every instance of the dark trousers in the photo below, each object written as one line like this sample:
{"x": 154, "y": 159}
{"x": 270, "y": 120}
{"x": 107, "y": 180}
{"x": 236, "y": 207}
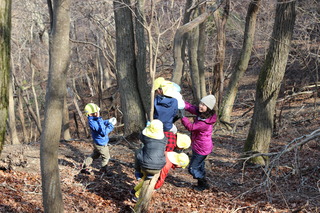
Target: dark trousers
{"x": 197, "y": 165}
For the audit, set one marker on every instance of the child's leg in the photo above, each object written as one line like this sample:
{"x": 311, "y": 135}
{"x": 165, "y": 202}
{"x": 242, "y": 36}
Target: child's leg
{"x": 197, "y": 166}
{"x": 94, "y": 155}
{"x": 105, "y": 155}
{"x": 146, "y": 173}
{"x": 138, "y": 187}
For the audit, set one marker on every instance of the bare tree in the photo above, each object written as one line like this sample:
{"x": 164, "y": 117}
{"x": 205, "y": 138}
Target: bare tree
{"x": 242, "y": 64}
{"x": 141, "y": 55}
{"x": 56, "y": 91}
{"x": 65, "y": 121}
{"x": 220, "y": 19}
{"x": 131, "y": 103}
{"x": 179, "y": 38}
{"x": 5, "y": 28}
{"x": 193, "y": 48}
{"x": 269, "y": 81}
{"x": 196, "y": 52}
{"x": 12, "y": 118}
{"x": 181, "y": 45}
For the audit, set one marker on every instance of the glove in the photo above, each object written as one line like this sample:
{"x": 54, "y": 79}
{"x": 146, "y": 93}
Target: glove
{"x": 181, "y": 113}
{"x": 113, "y": 120}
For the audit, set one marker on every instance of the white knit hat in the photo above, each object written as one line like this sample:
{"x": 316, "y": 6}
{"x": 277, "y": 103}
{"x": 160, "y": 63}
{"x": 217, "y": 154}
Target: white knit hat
{"x": 209, "y": 101}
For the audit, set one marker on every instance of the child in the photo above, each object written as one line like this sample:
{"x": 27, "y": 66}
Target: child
{"x": 165, "y": 106}
{"x": 99, "y": 130}
{"x": 201, "y": 131}
{"x": 183, "y": 141}
{"x": 150, "y": 158}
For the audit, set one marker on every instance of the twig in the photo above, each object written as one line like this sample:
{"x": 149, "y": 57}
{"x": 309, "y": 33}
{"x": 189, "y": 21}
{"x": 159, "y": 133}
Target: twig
{"x": 245, "y": 207}
{"x": 7, "y": 186}
{"x": 304, "y": 139}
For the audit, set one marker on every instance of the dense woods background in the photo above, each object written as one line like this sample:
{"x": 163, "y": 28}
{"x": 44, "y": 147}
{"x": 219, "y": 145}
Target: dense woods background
{"x": 98, "y": 71}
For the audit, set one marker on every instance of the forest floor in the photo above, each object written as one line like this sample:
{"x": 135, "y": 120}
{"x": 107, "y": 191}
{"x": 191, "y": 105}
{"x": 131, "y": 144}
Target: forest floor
{"x": 293, "y": 185}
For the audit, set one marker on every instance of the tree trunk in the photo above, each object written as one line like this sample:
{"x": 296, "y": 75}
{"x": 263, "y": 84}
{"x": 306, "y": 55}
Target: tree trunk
{"x": 179, "y": 37}
{"x": 35, "y": 97}
{"x": 65, "y": 121}
{"x": 11, "y": 115}
{"x": 242, "y": 64}
{"x": 218, "y": 71}
{"x": 269, "y": 81}
{"x": 82, "y": 120}
{"x": 33, "y": 115}
{"x": 177, "y": 75}
{"x": 178, "y": 42}
{"x": 131, "y": 104}
{"x": 141, "y": 56}
{"x": 193, "y": 42}
{"x": 22, "y": 117}
{"x": 5, "y": 28}
{"x": 196, "y": 43}
{"x": 59, "y": 53}
{"x": 201, "y": 54}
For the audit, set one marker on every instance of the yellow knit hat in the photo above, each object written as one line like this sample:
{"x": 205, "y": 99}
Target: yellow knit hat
{"x": 154, "y": 130}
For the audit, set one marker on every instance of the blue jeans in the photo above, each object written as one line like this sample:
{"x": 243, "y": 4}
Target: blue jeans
{"x": 197, "y": 165}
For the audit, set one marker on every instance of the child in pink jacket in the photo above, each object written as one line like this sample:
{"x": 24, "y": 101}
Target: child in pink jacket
{"x": 201, "y": 137}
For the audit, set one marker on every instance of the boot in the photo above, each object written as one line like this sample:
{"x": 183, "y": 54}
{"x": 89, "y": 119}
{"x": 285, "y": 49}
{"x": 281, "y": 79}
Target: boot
{"x": 84, "y": 169}
{"x": 202, "y": 184}
{"x": 105, "y": 170}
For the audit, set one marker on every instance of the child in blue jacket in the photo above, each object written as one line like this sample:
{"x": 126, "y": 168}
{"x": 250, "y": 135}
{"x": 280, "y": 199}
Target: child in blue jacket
{"x": 99, "y": 130}
{"x": 165, "y": 106}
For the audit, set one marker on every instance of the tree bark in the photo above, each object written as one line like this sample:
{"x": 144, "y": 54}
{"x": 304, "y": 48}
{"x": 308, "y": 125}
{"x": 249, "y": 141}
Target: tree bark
{"x": 131, "y": 104}
{"x": 201, "y": 54}
{"x": 21, "y": 116}
{"x": 269, "y": 81}
{"x": 59, "y": 53}
{"x": 193, "y": 45}
{"x": 177, "y": 75}
{"x": 141, "y": 56}
{"x": 5, "y": 29}
{"x": 179, "y": 37}
{"x": 65, "y": 121}
{"x": 242, "y": 64}
{"x": 196, "y": 43}
{"x": 11, "y": 115}
{"x": 178, "y": 42}
{"x": 218, "y": 70}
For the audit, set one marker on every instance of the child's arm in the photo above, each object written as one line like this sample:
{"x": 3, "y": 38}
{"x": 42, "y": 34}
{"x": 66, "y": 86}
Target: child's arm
{"x": 197, "y": 126}
{"x": 190, "y": 108}
{"x": 107, "y": 127}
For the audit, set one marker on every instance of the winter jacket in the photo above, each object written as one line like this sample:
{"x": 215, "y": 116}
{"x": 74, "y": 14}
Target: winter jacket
{"x": 165, "y": 109}
{"x": 99, "y": 130}
{"x": 201, "y": 130}
{"x": 152, "y": 156}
